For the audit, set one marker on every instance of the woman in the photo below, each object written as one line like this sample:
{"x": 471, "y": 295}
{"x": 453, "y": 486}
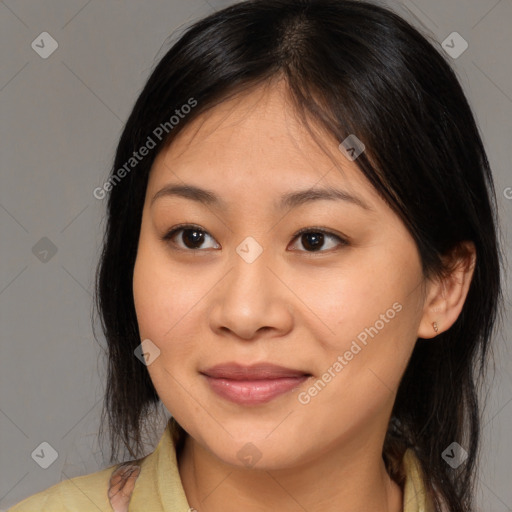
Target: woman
{"x": 301, "y": 264}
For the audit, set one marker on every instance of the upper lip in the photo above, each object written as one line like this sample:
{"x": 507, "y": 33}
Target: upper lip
{"x": 257, "y": 371}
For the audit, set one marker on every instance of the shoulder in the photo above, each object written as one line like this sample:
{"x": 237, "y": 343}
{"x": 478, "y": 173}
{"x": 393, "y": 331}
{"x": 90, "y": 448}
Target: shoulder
{"x": 151, "y": 483}
{"x": 102, "y": 490}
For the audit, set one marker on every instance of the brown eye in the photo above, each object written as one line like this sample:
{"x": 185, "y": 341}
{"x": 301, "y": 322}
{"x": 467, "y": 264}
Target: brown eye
{"x": 313, "y": 239}
{"x": 191, "y": 237}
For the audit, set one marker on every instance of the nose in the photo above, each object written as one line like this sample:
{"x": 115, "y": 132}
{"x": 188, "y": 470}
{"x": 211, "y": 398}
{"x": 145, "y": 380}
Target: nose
{"x": 251, "y": 300}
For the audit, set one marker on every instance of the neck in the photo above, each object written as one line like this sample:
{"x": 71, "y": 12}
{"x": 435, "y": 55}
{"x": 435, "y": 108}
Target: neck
{"x": 351, "y": 480}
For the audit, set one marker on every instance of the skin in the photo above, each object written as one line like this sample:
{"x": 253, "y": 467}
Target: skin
{"x": 291, "y": 306}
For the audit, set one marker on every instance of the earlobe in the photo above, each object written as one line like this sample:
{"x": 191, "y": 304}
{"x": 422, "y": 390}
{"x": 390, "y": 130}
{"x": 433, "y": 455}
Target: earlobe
{"x": 446, "y": 295}
{"x": 434, "y": 311}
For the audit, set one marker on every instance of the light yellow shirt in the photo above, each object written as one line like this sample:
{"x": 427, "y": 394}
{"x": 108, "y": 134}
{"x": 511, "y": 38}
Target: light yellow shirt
{"x": 153, "y": 484}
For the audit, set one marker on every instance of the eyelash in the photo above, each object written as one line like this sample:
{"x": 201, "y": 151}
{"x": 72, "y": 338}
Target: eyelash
{"x": 182, "y": 227}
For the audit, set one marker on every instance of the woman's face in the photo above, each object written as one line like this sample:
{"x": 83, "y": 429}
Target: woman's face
{"x": 342, "y": 311}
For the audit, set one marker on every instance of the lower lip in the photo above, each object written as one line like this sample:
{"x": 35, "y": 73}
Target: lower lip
{"x": 254, "y": 392}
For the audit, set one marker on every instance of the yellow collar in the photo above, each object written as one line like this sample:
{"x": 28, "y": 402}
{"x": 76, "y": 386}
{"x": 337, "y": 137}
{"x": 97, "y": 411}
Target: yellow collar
{"x": 159, "y": 486}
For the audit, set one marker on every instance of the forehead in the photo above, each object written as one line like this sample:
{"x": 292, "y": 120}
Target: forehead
{"x": 256, "y": 140}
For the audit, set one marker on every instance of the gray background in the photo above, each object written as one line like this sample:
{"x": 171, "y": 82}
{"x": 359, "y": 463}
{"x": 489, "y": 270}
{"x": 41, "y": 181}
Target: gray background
{"x": 61, "y": 119}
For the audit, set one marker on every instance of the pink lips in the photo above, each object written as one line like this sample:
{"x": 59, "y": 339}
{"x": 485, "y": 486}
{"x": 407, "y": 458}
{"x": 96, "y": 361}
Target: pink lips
{"x": 255, "y": 384}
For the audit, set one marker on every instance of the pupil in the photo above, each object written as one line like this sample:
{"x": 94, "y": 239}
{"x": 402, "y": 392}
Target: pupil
{"x": 314, "y": 240}
{"x": 196, "y": 237}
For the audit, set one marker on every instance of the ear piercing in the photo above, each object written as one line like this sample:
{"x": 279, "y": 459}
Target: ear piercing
{"x": 434, "y": 325}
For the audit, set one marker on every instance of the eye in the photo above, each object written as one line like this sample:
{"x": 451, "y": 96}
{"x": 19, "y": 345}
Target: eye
{"x": 314, "y": 238}
{"x": 192, "y": 237}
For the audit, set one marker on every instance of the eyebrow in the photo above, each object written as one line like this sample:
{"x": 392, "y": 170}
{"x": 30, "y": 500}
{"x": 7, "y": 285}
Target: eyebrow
{"x": 289, "y": 200}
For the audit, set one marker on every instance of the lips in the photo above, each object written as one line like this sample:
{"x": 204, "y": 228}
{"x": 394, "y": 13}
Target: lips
{"x": 252, "y": 385}
{"x": 261, "y": 371}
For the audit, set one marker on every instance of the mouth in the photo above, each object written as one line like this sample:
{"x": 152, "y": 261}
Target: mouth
{"x": 255, "y": 384}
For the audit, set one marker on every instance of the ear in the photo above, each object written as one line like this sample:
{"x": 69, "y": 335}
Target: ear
{"x": 445, "y": 296}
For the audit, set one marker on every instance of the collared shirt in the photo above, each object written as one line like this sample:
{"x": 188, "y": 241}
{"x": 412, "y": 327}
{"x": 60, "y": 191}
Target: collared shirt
{"x": 153, "y": 484}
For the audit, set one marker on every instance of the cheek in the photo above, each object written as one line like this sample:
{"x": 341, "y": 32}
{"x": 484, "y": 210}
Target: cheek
{"x": 371, "y": 313}
{"x": 352, "y": 298}
{"x": 163, "y": 305}
{"x": 162, "y": 295}
{"x": 150, "y": 300}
